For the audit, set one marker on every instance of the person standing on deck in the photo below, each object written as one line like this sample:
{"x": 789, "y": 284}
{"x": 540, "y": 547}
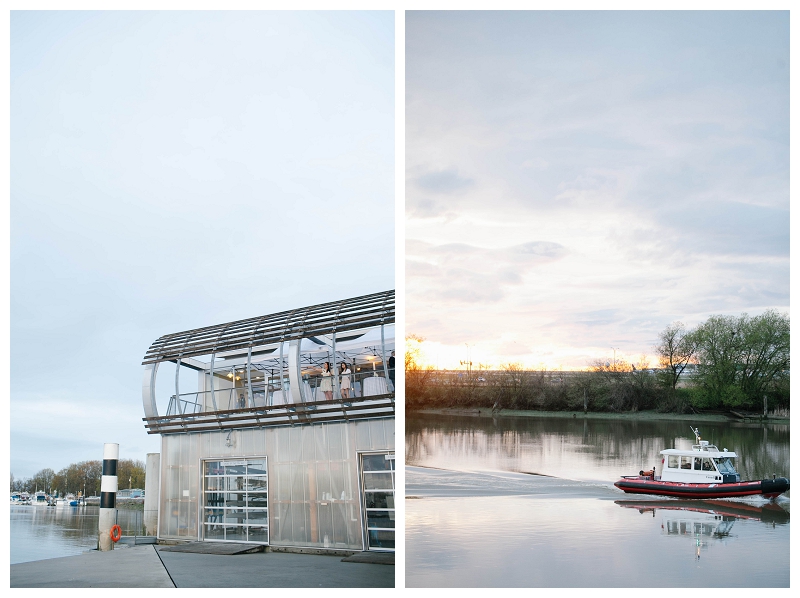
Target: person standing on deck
{"x": 326, "y": 385}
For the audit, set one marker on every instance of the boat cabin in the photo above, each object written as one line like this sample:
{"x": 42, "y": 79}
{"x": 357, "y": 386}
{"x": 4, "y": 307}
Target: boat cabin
{"x": 703, "y": 464}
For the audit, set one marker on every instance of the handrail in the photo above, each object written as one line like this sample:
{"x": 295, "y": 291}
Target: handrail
{"x": 376, "y": 406}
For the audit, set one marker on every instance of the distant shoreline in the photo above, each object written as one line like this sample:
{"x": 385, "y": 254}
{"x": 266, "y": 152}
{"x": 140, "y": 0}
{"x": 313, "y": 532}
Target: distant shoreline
{"x": 627, "y": 415}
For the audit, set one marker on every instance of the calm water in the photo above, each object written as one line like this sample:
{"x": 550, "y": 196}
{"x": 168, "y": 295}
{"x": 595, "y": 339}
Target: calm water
{"x": 49, "y": 532}
{"x": 476, "y": 517}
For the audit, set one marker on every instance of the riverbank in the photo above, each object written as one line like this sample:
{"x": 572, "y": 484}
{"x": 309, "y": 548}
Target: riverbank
{"x": 625, "y": 415}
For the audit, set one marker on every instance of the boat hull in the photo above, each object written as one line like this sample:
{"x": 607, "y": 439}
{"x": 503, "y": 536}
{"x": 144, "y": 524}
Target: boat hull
{"x": 644, "y": 485}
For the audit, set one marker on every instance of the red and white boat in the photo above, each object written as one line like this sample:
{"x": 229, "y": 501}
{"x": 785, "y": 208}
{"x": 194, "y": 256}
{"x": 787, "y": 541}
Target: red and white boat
{"x": 702, "y": 472}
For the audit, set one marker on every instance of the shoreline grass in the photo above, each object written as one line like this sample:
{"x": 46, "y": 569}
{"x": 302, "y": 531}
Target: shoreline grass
{"x": 630, "y": 415}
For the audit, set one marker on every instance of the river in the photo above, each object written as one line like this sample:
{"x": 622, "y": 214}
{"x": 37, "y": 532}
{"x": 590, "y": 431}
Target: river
{"x": 38, "y": 533}
{"x": 530, "y": 502}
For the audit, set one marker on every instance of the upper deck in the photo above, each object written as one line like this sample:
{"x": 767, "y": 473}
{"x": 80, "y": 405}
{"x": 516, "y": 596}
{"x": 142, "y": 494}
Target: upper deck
{"x": 321, "y": 363}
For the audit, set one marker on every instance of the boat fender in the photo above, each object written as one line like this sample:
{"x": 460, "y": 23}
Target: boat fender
{"x": 116, "y": 533}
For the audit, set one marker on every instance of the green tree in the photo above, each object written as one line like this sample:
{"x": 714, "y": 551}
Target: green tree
{"x": 765, "y": 358}
{"x": 741, "y": 359}
{"x": 130, "y": 473}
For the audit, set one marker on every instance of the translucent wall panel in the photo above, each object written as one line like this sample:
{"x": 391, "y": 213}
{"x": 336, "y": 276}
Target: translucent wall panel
{"x": 314, "y": 488}
{"x": 374, "y": 434}
{"x": 179, "y": 486}
{"x": 312, "y": 472}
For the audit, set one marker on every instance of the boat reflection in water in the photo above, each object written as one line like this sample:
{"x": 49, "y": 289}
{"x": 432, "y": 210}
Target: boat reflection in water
{"x": 706, "y": 521}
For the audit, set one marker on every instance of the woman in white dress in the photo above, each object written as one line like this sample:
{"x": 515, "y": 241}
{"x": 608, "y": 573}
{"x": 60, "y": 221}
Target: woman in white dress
{"x": 344, "y": 385}
{"x": 326, "y": 385}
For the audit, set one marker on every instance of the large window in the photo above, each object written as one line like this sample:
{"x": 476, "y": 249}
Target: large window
{"x": 235, "y": 507}
{"x": 377, "y": 483}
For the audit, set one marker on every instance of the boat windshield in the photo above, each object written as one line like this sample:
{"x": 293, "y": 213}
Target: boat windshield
{"x": 724, "y": 465}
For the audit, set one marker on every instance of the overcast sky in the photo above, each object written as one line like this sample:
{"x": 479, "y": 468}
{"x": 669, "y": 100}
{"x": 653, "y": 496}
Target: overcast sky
{"x": 578, "y": 180}
{"x": 171, "y": 170}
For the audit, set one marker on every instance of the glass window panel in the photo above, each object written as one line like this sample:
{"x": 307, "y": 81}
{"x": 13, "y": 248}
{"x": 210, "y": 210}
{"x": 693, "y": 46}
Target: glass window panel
{"x": 381, "y": 539}
{"x": 257, "y": 484}
{"x": 216, "y": 483}
{"x": 214, "y": 532}
{"x": 235, "y": 500}
{"x": 256, "y": 468}
{"x": 213, "y": 468}
{"x": 257, "y": 516}
{"x": 380, "y": 519}
{"x": 235, "y": 469}
{"x": 686, "y": 462}
{"x": 379, "y": 500}
{"x": 377, "y": 463}
{"x": 258, "y": 534}
{"x": 236, "y": 483}
{"x": 257, "y": 502}
{"x": 708, "y": 465}
{"x": 380, "y": 481}
{"x": 672, "y": 462}
{"x": 236, "y": 533}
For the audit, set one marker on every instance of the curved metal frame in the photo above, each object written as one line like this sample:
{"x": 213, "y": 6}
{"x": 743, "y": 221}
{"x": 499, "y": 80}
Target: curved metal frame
{"x": 329, "y": 318}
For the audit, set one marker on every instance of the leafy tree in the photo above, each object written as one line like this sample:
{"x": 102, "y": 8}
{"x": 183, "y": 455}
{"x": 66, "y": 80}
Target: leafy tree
{"x": 131, "y": 473}
{"x": 742, "y": 359}
{"x": 765, "y": 358}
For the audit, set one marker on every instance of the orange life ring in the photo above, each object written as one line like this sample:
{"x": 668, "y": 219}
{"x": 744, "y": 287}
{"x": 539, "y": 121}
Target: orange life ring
{"x": 116, "y": 533}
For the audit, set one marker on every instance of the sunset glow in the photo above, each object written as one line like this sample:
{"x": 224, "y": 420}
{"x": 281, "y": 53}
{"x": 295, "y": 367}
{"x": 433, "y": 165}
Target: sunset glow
{"x": 563, "y": 209}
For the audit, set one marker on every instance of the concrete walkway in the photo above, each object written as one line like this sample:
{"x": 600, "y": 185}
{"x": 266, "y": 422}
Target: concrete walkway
{"x": 148, "y": 567}
{"x": 273, "y": 570}
{"x": 134, "y": 567}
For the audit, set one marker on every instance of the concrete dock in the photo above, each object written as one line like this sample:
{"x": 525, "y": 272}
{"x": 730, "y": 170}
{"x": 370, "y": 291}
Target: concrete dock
{"x": 149, "y": 567}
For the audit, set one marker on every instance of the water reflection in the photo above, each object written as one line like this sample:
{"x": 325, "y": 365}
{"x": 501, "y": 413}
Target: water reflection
{"x": 706, "y": 521}
{"x": 475, "y": 522}
{"x": 38, "y": 533}
{"x": 583, "y": 448}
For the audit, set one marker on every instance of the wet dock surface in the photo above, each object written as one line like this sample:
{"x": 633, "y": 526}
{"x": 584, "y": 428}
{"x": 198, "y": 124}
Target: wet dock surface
{"x": 159, "y": 567}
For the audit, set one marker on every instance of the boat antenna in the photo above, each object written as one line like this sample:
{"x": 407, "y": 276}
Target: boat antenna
{"x": 696, "y": 433}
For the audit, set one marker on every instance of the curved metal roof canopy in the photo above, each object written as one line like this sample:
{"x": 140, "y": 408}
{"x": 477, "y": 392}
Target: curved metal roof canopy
{"x": 338, "y": 316}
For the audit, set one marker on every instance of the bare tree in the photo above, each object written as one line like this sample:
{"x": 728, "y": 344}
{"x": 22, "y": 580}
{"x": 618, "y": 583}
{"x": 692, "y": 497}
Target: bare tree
{"x": 676, "y": 349}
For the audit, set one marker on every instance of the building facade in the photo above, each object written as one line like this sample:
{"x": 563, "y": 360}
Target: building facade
{"x": 262, "y": 442}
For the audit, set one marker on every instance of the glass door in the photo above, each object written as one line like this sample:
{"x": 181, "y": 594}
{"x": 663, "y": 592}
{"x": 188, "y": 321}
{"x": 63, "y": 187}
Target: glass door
{"x": 377, "y": 486}
{"x": 235, "y": 500}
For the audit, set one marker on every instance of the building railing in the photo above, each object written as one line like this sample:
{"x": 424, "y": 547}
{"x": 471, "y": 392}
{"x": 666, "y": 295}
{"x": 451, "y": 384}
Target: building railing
{"x": 291, "y": 414}
{"x": 362, "y": 384}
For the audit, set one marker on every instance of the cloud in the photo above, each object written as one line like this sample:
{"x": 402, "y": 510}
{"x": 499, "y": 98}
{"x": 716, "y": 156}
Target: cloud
{"x": 648, "y": 153}
{"x": 443, "y": 181}
{"x": 464, "y": 273}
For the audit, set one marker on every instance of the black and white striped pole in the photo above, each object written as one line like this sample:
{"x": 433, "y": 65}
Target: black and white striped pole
{"x": 108, "y": 496}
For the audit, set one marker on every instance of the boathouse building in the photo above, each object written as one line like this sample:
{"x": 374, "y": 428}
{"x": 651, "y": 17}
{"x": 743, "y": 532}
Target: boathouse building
{"x": 260, "y": 444}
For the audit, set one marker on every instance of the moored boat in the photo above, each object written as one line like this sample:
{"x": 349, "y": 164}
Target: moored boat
{"x": 702, "y": 472}
{"x": 40, "y": 499}
{"x": 20, "y": 498}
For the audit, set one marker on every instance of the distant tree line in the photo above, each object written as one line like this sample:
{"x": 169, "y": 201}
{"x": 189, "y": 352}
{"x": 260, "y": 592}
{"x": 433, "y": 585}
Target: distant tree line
{"x": 722, "y": 364}
{"x": 77, "y": 476}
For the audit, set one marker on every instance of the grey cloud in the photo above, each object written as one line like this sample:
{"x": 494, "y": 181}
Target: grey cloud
{"x": 728, "y": 228}
{"x": 463, "y": 273}
{"x": 443, "y": 181}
